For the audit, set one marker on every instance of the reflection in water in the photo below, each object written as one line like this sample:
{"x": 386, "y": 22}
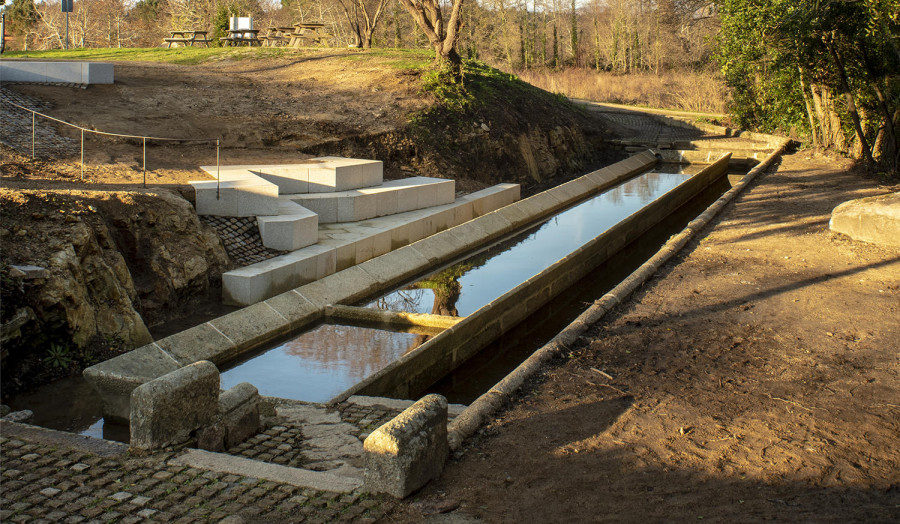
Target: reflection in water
{"x": 72, "y": 405}
{"x": 464, "y": 288}
{"x": 322, "y": 362}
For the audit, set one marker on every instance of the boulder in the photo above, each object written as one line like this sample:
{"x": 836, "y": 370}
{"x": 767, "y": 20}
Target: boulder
{"x": 873, "y": 219}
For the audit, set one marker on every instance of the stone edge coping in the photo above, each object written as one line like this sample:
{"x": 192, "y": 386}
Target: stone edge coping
{"x": 53, "y": 437}
{"x": 477, "y": 413}
{"x": 453, "y": 410}
{"x": 222, "y": 463}
{"x": 231, "y": 335}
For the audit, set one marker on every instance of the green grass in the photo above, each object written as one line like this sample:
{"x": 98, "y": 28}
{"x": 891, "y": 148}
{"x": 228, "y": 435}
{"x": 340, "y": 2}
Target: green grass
{"x": 394, "y": 58}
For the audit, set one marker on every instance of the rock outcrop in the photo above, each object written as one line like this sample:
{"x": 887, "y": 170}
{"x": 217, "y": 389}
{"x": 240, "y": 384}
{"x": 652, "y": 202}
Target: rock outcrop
{"x": 115, "y": 263}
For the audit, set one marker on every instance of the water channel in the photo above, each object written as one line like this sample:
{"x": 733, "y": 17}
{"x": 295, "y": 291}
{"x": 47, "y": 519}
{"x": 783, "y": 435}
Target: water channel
{"x": 319, "y": 364}
{"x": 326, "y": 359}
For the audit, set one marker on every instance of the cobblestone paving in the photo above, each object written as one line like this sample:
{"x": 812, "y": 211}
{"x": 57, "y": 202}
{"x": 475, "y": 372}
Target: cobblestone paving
{"x": 647, "y": 128}
{"x": 44, "y": 482}
{"x": 16, "y": 126}
{"x": 293, "y": 442}
{"x": 241, "y": 238}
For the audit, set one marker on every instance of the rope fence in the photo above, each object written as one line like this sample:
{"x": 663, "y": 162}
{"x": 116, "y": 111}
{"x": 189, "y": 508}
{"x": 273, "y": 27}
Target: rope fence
{"x": 35, "y": 114}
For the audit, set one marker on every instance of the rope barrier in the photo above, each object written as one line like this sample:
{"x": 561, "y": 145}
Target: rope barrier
{"x": 119, "y": 135}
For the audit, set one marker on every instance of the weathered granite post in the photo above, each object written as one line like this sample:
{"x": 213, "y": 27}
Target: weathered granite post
{"x": 404, "y": 454}
{"x": 167, "y": 410}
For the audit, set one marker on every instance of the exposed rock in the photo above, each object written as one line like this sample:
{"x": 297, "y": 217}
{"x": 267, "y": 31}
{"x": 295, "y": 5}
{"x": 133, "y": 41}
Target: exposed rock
{"x": 132, "y": 259}
{"x": 873, "y": 219}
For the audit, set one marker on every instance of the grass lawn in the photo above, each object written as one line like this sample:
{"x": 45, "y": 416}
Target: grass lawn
{"x": 397, "y": 58}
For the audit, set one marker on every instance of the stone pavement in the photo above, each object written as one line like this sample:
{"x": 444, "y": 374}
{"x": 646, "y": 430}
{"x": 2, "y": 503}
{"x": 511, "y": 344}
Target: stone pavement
{"x": 51, "y": 476}
{"x": 16, "y": 125}
{"x": 241, "y": 238}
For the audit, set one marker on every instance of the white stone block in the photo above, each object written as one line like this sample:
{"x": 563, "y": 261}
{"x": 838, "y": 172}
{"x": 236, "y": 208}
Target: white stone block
{"x": 381, "y": 243}
{"x": 290, "y": 179}
{"x": 387, "y": 203}
{"x": 247, "y": 285}
{"x": 289, "y": 232}
{"x": 326, "y": 208}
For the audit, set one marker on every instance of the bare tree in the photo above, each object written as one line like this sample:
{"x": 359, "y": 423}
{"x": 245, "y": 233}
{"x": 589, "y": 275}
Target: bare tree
{"x": 362, "y": 23}
{"x": 441, "y": 36}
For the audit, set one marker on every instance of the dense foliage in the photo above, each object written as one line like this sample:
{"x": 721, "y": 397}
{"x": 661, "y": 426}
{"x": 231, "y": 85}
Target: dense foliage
{"x": 825, "y": 69}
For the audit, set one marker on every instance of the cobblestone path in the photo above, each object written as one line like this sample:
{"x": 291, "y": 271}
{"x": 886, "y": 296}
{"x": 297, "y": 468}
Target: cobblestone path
{"x": 16, "y": 125}
{"x": 241, "y": 238}
{"x": 50, "y": 476}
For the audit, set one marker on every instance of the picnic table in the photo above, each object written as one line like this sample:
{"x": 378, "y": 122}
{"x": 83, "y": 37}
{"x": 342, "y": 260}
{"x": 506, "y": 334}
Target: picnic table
{"x": 276, "y": 36}
{"x": 306, "y": 32}
{"x": 241, "y": 36}
{"x": 187, "y": 37}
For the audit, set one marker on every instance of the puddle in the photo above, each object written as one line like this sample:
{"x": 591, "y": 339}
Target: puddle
{"x": 71, "y": 405}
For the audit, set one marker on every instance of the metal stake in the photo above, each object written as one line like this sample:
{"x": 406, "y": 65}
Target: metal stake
{"x": 217, "y": 169}
{"x": 32, "y": 135}
{"x": 144, "y": 139}
{"x": 82, "y": 155}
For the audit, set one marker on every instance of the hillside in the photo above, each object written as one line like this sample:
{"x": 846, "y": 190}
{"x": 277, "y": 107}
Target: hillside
{"x": 268, "y": 106}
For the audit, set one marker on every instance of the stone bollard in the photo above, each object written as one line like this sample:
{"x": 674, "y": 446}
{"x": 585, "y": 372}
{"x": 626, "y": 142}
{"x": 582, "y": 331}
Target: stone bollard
{"x": 167, "y": 410}
{"x": 239, "y": 409}
{"x": 404, "y": 454}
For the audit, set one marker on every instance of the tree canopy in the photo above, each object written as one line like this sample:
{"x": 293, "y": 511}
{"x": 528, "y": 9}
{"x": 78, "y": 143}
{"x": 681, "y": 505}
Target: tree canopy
{"x": 827, "y": 69}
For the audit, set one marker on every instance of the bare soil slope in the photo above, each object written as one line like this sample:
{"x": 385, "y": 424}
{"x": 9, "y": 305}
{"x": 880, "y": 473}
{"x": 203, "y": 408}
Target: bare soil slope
{"x": 756, "y": 377}
{"x": 283, "y": 109}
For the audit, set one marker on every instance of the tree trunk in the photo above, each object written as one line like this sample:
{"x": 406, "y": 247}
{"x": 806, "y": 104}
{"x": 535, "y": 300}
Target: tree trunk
{"x": 813, "y": 129}
{"x": 429, "y": 18}
{"x": 851, "y": 103}
{"x": 890, "y": 134}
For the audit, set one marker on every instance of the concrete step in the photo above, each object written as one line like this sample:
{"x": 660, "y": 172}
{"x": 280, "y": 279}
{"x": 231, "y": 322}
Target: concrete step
{"x": 392, "y": 197}
{"x": 317, "y": 175}
{"x": 236, "y": 195}
{"x": 292, "y": 228}
{"x": 344, "y": 245}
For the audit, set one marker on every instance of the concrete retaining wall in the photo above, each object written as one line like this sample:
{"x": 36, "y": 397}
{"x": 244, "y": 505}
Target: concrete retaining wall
{"x": 56, "y": 72}
{"x": 250, "y": 328}
{"x": 423, "y": 366}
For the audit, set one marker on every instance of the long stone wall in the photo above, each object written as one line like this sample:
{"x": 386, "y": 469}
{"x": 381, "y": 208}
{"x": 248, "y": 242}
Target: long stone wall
{"x": 30, "y": 71}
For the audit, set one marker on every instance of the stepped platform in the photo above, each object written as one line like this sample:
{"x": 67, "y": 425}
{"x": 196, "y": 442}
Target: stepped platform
{"x": 391, "y": 197}
{"x": 344, "y": 245}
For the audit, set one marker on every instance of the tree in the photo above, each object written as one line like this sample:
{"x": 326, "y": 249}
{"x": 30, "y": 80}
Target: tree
{"x": 441, "y": 36}
{"x": 21, "y": 17}
{"x": 363, "y": 18}
{"x": 784, "y": 61}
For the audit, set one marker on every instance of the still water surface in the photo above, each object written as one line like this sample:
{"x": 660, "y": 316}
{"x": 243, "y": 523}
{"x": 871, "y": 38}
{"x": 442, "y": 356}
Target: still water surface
{"x": 320, "y": 363}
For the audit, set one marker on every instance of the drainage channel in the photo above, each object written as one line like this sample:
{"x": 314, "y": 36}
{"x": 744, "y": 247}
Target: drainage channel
{"x": 481, "y": 372}
{"x": 329, "y": 358}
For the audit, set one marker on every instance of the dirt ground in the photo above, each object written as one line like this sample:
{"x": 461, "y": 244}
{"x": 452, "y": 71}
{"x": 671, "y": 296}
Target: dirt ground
{"x": 756, "y": 377}
{"x": 251, "y": 105}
